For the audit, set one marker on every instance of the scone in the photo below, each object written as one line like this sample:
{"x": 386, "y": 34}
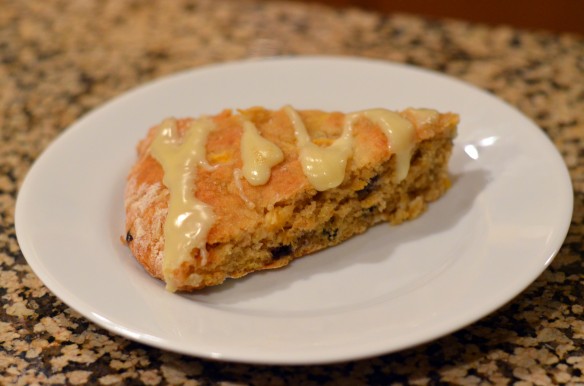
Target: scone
{"x": 223, "y": 196}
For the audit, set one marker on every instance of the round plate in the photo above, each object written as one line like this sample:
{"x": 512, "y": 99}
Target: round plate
{"x": 486, "y": 240}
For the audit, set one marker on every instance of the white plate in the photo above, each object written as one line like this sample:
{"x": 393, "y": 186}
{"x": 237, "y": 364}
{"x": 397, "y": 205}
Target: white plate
{"x": 479, "y": 246}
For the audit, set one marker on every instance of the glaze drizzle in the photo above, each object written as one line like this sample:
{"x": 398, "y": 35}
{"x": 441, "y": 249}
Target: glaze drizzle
{"x": 188, "y": 220}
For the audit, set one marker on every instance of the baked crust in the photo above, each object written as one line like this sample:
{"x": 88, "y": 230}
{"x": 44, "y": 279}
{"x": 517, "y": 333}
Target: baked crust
{"x": 267, "y": 226}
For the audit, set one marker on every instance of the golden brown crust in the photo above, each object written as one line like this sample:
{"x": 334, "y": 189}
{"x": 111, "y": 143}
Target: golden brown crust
{"x": 288, "y": 213}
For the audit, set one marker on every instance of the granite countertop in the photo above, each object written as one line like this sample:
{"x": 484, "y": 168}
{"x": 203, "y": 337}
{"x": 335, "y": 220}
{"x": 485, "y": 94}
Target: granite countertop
{"x": 61, "y": 59}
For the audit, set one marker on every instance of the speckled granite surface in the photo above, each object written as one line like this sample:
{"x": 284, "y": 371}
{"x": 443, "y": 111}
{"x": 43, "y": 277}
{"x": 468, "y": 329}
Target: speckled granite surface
{"x": 60, "y": 59}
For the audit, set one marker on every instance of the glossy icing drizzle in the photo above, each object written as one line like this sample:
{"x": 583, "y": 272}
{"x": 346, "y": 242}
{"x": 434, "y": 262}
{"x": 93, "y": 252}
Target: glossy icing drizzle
{"x": 188, "y": 220}
{"x": 323, "y": 166}
{"x": 258, "y": 154}
{"x": 400, "y": 137}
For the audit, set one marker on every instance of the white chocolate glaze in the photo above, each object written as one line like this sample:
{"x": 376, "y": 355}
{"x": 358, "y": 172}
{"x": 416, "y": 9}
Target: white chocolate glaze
{"x": 323, "y": 166}
{"x": 423, "y": 117}
{"x": 237, "y": 176}
{"x": 188, "y": 220}
{"x": 258, "y": 154}
{"x": 400, "y": 135}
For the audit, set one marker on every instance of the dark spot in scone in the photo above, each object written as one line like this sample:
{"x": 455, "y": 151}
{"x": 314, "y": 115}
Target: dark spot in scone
{"x": 371, "y": 184}
{"x": 281, "y": 251}
{"x": 515, "y": 41}
{"x": 129, "y": 237}
{"x": 330, "y": 234}
{"x": 370, "y": 210}
{"x": 416, "y": 156}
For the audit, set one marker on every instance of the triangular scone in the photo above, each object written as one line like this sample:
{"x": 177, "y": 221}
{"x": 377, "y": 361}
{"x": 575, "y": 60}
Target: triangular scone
{"x": 257, "y": 204}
